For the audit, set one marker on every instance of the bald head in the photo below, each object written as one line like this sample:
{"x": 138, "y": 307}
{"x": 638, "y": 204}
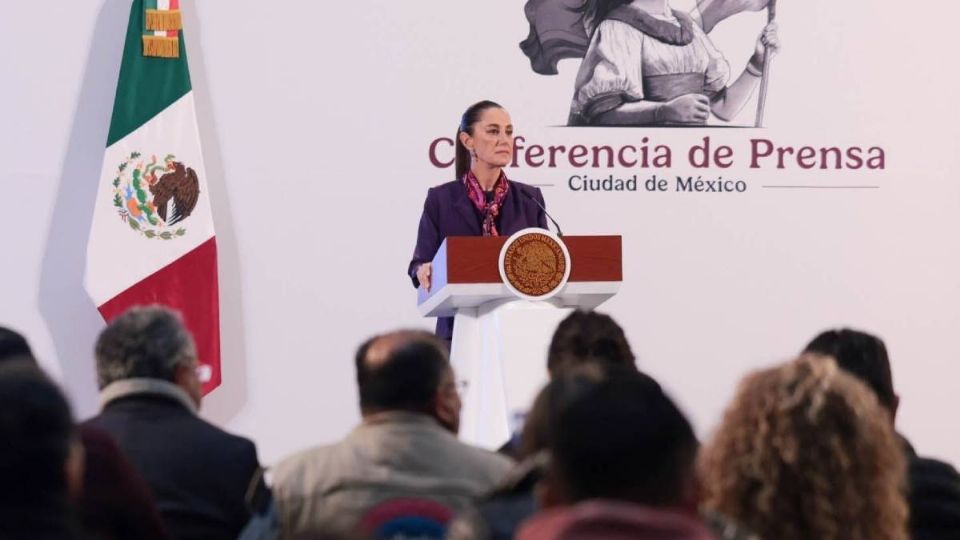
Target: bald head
{"x": 380, "y": 348}
{"x": 401, "y": 370}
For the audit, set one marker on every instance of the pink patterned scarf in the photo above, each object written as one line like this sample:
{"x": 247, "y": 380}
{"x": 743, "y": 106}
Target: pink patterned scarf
{"x": 491, "y": 210}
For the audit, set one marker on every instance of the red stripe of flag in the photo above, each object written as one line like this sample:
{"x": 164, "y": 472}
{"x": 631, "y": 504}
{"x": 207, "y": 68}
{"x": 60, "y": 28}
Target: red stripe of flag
{"x": 188, "y": 285}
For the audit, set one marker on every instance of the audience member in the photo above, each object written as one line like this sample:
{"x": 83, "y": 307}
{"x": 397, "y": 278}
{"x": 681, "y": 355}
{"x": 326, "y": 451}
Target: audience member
{"x": 498, "y": 515}
{"x": 150, "y": 391}
{"x": 622, "y": 466}
{"x": 588, "y": 336}
{"x": 13, "y": 345}
{"x": 805, "y": 451}
{"x": 114, "y": 503}
{"x": 583, "y": 337}
{"x": 402, "y": 459}
{"x": 934, "y": 486}
{"x": 41, "y": 460}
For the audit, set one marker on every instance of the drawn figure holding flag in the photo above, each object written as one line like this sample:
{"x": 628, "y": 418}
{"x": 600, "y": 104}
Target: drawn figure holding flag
{"x": 644, "y": 63}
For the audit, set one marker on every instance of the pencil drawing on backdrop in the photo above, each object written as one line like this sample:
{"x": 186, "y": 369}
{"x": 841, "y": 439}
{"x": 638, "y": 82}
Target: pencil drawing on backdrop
{"x": 646, "y": 64}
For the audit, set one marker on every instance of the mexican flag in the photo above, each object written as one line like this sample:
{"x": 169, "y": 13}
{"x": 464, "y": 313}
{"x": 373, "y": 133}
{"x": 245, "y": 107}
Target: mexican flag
{"x": 152, "y": 239}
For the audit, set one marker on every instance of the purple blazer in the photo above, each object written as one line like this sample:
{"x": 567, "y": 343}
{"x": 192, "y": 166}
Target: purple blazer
{"x": 449, "y": 212}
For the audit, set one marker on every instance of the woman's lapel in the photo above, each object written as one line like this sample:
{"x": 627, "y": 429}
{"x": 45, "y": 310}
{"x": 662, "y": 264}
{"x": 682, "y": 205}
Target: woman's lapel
{"x": 512, "y": 212}
{"x": 466, "y": 209}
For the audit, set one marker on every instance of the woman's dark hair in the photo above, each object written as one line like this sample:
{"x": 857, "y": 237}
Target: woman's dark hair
{"x": 622, "y": 438}
{"x": 861, "y": 354}
{"x": 470, "y": 117}
{"x": 557, "y": 394}
{"x": 13, "y": 345}
{"x": 586, "y": 337}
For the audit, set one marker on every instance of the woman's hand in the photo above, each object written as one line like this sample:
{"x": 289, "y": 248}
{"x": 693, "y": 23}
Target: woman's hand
{"x": 685, "y": 109}
{"x": 729, "y": 105}
{"x": 424, "y": 273}
{"x": 768, "y": 41}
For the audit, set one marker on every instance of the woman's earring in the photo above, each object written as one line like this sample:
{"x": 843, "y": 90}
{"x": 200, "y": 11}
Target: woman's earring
{"x": 473, "y": 153}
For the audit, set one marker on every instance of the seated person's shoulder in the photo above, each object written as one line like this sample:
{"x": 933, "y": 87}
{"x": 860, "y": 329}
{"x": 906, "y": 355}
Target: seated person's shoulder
{"x": 932, "y": 474}
{"x": 92, "y": 427}
{"x": 227, "y": 451}
{"x": 306, "y": 470}
{"x": 934, "y": 498}
{"x": 488, "y": 463}
{"x": 221, "y": 436}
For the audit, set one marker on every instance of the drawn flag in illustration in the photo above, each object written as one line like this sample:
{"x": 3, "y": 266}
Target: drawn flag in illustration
{"x": 152, "y": 239}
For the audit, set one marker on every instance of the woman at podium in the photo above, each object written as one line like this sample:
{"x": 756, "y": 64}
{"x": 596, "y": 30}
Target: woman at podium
{"x": 481, "y": 201}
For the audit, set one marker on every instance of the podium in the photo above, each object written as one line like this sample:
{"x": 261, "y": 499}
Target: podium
{"x": 500, "y": 339}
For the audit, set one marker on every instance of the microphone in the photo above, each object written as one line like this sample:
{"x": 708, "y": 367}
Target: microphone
{"x": 535, "y": 201}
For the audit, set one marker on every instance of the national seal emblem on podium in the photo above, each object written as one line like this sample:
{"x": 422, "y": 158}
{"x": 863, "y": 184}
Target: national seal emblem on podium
{"x": 534, "y": 264}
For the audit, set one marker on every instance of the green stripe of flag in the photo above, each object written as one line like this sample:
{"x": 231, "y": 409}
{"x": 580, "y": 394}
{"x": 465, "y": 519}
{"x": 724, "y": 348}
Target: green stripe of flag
{"x": 147, "y": 4}
{"x": 146, "y": 85}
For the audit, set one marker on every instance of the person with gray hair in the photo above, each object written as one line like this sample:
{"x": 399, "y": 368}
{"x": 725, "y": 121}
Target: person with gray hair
{"x": 147, "y": 371}
{"x": 148, "y": 348}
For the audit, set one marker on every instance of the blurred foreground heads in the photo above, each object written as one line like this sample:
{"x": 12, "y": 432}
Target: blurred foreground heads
{"x": 41, "y": 460}
{"x": 806, "y": 451}
{"x": 13, "y": 346}
{"x": 622, "y": 464}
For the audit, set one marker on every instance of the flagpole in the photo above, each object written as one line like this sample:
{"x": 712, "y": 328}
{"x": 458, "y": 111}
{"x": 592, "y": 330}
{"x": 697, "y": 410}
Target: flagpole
{"x": 765, "y": 77}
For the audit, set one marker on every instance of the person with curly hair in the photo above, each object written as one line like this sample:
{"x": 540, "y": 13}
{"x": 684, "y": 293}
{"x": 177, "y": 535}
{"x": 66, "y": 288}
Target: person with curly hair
{"x": 806, "y": 451}
{"x": 934, "y": 494}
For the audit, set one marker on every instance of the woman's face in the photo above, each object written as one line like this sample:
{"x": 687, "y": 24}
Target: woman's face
{"x": 492, "y": 139}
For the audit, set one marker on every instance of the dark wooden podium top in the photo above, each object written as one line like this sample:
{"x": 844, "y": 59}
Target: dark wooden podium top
{"x": 593, "y": 258}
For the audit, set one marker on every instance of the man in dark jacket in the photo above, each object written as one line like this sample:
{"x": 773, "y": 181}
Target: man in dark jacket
{"x": 150, "y": 392}
{"x": 934, "y": 496}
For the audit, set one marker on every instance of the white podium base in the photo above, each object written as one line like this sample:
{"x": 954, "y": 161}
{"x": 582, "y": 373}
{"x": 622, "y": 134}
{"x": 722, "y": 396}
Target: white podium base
{"x": 499, "y": 350}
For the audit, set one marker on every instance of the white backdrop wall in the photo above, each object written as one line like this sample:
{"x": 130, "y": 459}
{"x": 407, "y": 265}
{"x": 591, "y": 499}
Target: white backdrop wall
{"x": 316, "y": 118}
